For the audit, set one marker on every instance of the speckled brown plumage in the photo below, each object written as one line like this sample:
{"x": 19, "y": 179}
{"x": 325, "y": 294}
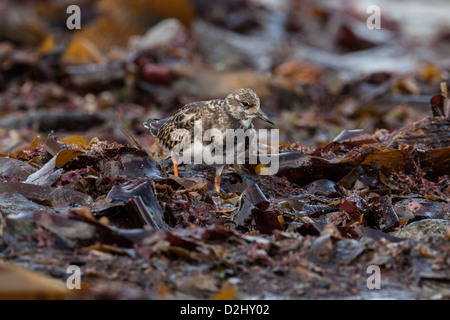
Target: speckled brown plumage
{"x": 236, "y": 111}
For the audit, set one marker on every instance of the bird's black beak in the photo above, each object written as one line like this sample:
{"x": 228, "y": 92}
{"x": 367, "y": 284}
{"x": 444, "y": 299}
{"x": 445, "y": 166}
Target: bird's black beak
{"x": 264, "y": 117}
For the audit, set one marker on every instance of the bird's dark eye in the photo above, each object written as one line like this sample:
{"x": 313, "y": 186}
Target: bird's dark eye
{"x": 245, "y": 104}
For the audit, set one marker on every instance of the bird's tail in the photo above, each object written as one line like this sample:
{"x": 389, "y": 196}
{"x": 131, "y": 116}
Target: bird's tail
{"x": 154, "y": 125}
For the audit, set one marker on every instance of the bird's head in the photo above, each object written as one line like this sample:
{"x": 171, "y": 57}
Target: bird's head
{"x": 244, "y": 104}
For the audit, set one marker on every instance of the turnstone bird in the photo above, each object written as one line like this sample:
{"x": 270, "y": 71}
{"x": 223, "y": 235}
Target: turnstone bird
{"x": 236, "y": 111}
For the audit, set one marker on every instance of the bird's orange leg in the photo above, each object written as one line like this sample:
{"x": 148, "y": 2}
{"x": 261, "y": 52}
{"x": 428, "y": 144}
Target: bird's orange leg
{"x": 175, "y": 166}
{"x": 217, "y": 178}
{"x": 217, "y": 182}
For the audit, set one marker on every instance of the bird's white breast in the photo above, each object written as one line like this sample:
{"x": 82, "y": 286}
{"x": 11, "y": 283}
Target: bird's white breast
{"x": 246, "y": 122}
